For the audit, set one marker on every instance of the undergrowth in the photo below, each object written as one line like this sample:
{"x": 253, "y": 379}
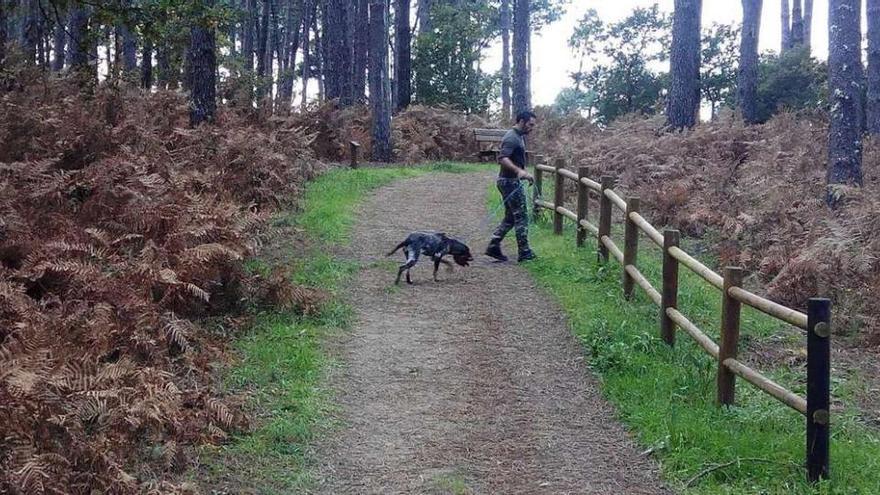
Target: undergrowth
{"x": 666, "y": 395}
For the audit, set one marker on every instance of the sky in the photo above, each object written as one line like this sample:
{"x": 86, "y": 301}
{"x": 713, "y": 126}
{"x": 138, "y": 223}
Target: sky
{"x": 552, "y": 60}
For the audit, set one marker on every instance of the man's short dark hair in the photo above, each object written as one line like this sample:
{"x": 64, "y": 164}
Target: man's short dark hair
{"x": 525, "y": 116}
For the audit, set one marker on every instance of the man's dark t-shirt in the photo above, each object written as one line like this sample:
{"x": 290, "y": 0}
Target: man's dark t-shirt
{"x": 513, "y": 146}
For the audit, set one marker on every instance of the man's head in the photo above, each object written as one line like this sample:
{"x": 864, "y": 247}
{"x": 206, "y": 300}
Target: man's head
{"x": 526, "y": 121}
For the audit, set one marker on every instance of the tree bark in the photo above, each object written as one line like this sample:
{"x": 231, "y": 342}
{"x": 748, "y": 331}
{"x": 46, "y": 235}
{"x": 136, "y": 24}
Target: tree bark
{"x": 786, "y": 26}
{"x": 147, "y": 63}
{"x": 873, "y": 106}
{"x": 747, "y": 78}
{"x": 247, "y": 42}
{"x": 3, "y": 33}
{"x": 308, "y": 16}
{"x": 78, "y": 45}
{"x": 320, "y": 53}
{"x": 360, "y": 49}
{"x": 808, "y": 24}
{"x": 797, "y": 24}
{"x": 522, "y": 98}
{"x": 203, "y": 68}
{"x": 379, "y": 99}
{"x": 129, "y": 49}
{"x": 292, "y": 45}
{"x": 59, "y": 37}
{"x": 844, "y": 69}
{"x": 338, "y": 48}
{"x": 262, "y": 43}
{"x": 403, "y": 66}
{"x": 30, "y": 35}
{"x": 684, "y": 87}
{"x": 505, "y": 60}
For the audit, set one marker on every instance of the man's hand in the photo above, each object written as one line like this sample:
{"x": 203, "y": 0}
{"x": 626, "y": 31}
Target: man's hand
{"x": 523, "y": 175}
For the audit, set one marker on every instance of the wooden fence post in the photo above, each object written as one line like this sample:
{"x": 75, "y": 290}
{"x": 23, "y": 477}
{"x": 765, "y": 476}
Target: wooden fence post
{"x": 583, "y": 205}
{"x": 558, "y": 196}
{"x": 730, "y": 313}
{"x": 604, "y": 216}
{"x": 818, "y": 387}
{"x": 669, "y": 297}
{"x": 354, "y": 146}
{"x": 630, "y": 246}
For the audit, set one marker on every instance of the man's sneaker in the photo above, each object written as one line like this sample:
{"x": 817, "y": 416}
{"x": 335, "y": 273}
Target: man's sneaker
{"x": 526, "y": 256}
{"x": 494, "y": 251}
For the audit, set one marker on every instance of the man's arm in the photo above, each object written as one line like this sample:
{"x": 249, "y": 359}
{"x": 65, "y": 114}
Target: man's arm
{"x": 508, "y": 146}
{"x": 511, "y": 167}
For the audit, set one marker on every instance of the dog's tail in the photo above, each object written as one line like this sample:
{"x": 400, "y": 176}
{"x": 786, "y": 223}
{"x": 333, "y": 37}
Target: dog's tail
{"x": 402, "y": 244}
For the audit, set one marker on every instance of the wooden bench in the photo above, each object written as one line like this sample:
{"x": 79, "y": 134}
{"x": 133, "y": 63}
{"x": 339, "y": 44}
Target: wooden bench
{"x": 489, "y": 143}
{"x": 493, "y": 138}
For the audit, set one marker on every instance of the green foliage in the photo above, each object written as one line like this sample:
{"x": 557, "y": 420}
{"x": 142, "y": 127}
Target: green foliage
{"x": 446, "y": 62}
{"x": 792, "y": 81}
{"x": 720, "y": 59}
{"x": 573, "y": 101}
{"x": 624, "y": 84}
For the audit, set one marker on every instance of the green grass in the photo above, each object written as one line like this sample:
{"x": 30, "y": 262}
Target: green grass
{"x": 282, "y": 364}
{"x": 666, "y": 395}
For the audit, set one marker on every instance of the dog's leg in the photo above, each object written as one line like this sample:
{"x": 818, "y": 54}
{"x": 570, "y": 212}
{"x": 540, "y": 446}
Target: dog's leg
{"x": 449, "y": 265}
{"x": 437, "y": 262}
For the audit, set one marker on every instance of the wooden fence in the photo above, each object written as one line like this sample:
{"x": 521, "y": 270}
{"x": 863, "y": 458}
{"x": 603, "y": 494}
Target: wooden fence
{"x": 817, "y": 321}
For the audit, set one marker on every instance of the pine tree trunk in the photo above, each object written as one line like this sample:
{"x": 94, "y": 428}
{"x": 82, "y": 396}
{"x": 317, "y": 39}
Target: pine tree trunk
{"x": 78, "y": 44}
{"x": 58, "y": 41}
{"x": 203, "y": 67}
{"x": 379, "y": 99}
{"x": 786, "y": 26}
{"x": 249, "y": 35}
{"x": 423, "y": 13}
{"x": 3, "y": 35}
{"x": 684, "y": 85}
{"x": 320, "y": 54}
{"x": 808, "y": 24}
{"x": 522, "y": 99}
{"x": 797, "y": 24}
{"x": 360, "y": 49}
{"x": 294, "y": 19}
{"x": 403, "y": 66}
{"x": 337, "y": 64}
{"x": 147, "y": 63}
{"x": 844, "y": 85}
{"x": 747, "y": 78}
{"x": 505, "y": 60}
{"x": 262, "y": 43}
{"x": 873, "y": 106}
{"x": 308, "y": 16}
{"x": 129, "y": 50}
{"x": 30, "y": 35}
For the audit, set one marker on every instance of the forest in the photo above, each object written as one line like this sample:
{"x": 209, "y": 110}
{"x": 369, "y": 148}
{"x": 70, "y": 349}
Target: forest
{"x": 154, "y": 154}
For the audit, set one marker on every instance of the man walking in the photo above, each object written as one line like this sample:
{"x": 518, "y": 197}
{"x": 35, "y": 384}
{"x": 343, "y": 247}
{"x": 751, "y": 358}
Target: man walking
{"x": 512, "y": 159}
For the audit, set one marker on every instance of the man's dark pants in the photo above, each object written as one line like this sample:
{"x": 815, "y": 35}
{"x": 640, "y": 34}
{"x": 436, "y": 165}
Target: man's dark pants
{"x": 515, "y": 214}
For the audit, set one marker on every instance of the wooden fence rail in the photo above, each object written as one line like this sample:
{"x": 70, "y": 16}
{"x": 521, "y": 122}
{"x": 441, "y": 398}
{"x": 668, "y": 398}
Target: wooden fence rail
{"x": 817, "y": 321}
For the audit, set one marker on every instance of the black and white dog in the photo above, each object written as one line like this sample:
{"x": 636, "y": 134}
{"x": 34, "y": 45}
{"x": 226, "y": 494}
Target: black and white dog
{"x": 433, "y": 244}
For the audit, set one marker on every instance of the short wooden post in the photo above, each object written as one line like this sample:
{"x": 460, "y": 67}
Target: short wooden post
{"x": 558, "y": 196}
{"x": 354, "y": 147}
{"x": 604, "y": 216}
{"x": 630, "y": 246}
{"x": 583, "y": 206}
{"x": 730, "y": 313}
{"x": 818, "y": 387}
{"x": 539, "y": 185}
{"x": 669, "y": 297}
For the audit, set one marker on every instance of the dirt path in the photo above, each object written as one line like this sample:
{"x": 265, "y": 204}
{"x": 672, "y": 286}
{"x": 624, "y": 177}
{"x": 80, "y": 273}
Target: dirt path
{"x": 470, "y": 385}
